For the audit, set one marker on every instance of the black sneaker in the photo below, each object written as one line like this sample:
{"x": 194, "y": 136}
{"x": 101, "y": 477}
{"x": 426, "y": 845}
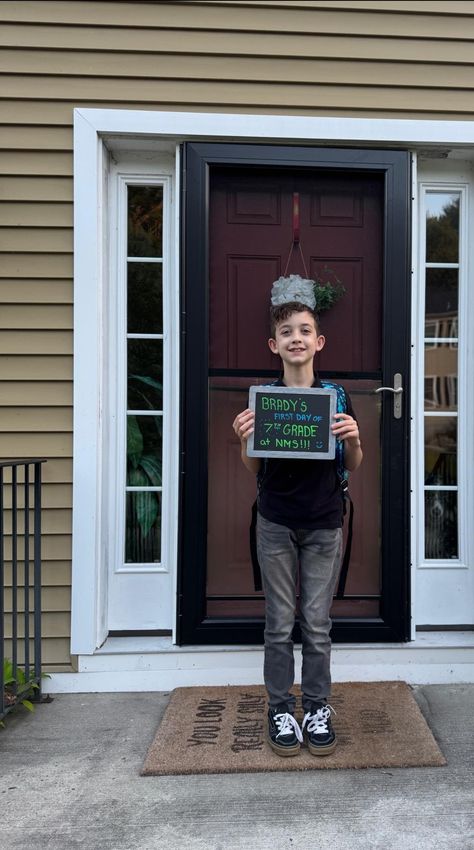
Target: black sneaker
{"x": 284, "y": 733}
{"x": 318, "y": 732}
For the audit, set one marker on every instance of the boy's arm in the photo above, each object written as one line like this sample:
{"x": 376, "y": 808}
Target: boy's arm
{"x": 243, "y": 426}
{"x": 346, "y": 428}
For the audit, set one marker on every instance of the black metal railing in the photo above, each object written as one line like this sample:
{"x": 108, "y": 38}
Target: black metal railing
{"x": 20, "y": 579}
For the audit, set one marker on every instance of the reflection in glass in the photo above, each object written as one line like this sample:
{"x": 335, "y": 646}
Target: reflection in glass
{"x": 442, "y": 227}
{"x": 442, "y": 302}
{"x": 145, "y": 374}
{"x": 441, "y": 524}
{"x": 441, "y": 318}
{"x": 441, "y": 450}
{"x": 143, "y": 528}
{"x": 145, "y": 221}
{"x": 441, "y": 382}
{"x": 144, "y": 298}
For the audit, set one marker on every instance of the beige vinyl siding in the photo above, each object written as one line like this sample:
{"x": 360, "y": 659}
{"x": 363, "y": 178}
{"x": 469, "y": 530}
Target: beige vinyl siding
{"x": 333, "y": 58}
{"x": 25, "y": 367}
{"x": 400, "y": 59}
{"x": 36, "y": 297}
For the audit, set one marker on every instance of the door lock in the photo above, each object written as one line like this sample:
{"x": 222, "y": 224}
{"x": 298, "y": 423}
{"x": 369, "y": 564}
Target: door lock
{"x": 397, "y": 391}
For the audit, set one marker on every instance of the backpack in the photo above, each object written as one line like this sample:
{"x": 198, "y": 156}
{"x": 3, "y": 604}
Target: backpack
{"x": 343, "y": 475}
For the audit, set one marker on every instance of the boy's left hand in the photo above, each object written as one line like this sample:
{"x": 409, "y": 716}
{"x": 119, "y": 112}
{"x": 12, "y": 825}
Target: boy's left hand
{"x": 346, "y": 428}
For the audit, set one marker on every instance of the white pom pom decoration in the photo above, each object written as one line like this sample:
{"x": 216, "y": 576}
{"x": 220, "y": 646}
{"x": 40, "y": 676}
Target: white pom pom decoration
{"x": 293, "y": 288}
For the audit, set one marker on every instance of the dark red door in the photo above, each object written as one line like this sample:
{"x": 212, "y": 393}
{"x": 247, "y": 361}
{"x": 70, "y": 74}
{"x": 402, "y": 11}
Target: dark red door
{"x": 347, "y": 233}
{"x": 250, "y": 235}
{"x": 251, "y": 228}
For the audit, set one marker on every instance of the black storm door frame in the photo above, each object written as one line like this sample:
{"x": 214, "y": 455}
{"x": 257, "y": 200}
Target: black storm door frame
{"x": 198, "y": 160}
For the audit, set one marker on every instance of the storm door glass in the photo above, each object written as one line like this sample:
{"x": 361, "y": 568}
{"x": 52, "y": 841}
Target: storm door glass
{"x": 341, "y": 235}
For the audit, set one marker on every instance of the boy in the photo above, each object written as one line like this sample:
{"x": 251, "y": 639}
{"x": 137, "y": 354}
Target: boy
{"x": 299, "y": 523}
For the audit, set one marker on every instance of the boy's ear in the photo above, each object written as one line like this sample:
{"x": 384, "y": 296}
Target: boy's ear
{"x": 272, "y": 344}
{"x": 320, "y": 342}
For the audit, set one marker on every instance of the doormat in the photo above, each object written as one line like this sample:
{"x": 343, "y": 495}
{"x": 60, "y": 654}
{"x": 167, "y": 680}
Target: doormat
{"x": 223, "y": 730}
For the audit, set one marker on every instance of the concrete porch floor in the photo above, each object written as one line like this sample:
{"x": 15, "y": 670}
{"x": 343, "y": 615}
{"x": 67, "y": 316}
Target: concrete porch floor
{"x": 69, "y": 778}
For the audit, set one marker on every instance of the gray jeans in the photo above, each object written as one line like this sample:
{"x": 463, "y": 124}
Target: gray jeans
{"x": 317, "y": 553}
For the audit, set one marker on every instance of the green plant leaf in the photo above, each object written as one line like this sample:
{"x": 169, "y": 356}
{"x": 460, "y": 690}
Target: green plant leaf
{"x": 149, "y": 381}
{"x": 26, "y": 688}
{"x": 20, "y": 676}
{"x": 8, "y": 677}
{"x": 18, "y": 689}
{"x": 134, "y": 441}
{"x": 152, "y": 467}
{"x": 146, "y": 507}
{"x": 327, "y": 289}
{"x": 137, "y": 478}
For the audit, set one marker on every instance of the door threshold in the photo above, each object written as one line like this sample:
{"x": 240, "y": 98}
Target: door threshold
{"x": 155, "y": 664}
{"x": 444, "y": 638}
{"x": 145, "y": 644}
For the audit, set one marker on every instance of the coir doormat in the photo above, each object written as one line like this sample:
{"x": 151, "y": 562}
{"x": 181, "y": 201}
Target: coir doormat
{"x": 223, "y": 730}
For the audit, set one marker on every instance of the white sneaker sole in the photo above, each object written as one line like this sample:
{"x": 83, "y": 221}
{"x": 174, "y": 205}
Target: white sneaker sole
{"x": 322, "y": 751}
{"x": 284, "y": 751}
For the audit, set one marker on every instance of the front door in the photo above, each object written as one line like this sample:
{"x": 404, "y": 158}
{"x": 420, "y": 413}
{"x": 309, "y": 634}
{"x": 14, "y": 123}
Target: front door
{"x": 252, "y": 213}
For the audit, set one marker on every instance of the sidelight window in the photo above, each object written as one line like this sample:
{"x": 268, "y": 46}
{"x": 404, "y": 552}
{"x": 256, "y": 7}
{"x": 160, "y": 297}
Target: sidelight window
{"x": 140, "y": 440}
{"x": 443, "y": 271}
{"x": 144, "y": 374}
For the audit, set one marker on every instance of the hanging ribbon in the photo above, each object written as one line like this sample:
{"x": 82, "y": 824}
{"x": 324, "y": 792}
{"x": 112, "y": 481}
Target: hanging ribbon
{"x": 296, "y": 217}
{"x": 295, "y": 243}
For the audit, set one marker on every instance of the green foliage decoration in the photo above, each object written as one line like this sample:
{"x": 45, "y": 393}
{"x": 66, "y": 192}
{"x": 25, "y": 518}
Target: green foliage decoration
{"x": 144, "y": 471}
{"x": 328, "y": 289}
{"x": 18, "y": 688}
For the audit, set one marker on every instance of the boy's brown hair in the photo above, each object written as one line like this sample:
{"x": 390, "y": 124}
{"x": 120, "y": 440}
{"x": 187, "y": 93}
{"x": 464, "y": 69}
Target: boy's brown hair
{"x": 282, "y": 312}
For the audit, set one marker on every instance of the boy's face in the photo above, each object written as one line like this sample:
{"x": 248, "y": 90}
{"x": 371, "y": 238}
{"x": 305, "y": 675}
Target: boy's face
{"x": 296, "y": 339}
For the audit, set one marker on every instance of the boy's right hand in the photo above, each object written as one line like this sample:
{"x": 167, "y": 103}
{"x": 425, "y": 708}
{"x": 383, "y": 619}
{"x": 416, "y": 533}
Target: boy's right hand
{"x": 243, "y": 424}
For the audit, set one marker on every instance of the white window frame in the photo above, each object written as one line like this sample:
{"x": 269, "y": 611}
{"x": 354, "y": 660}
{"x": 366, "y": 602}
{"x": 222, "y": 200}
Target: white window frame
{"x": 125, "y": 583}
{"x": 121, "y": 178}
{"x": 92, "y": 127}
{"x": 464, "y": 490}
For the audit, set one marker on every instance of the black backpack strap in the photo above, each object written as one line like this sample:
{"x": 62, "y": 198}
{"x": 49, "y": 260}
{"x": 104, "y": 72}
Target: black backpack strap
{"x": 347, "y": 554}
{"x": 342, "y": 407}
{"x": 257, "y": 575}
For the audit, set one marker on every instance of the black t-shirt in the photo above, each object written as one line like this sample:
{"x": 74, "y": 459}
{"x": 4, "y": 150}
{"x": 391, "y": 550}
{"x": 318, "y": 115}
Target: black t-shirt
{"x": 301, "y": 493}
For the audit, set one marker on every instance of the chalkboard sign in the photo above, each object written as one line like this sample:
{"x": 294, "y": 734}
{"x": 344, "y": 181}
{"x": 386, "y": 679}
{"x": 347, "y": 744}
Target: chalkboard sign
{"x": 292, "y": 422}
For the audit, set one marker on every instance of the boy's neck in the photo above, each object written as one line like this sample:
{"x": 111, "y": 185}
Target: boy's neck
{"x": 295, "y": 376}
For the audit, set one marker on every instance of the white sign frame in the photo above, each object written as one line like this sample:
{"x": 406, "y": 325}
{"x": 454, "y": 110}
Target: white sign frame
{"x": 329, "y": 454}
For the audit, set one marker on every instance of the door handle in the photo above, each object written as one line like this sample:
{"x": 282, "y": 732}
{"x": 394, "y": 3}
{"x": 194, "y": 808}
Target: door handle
{"x": 397, "y": 391}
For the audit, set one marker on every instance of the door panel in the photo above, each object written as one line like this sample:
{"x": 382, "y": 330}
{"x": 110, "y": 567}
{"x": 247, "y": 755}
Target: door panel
{"x": 347, "y": 226}
{"x": 248, "y": 253}
{"x": 229, "y": 586}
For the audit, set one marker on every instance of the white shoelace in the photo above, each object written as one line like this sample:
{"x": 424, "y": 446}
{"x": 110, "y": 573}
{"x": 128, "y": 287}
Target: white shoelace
{"x": 317, "y": 722}
{"x": 286, "y": 724}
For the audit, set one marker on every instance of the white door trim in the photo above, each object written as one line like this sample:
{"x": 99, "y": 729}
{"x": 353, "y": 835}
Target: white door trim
{"x": 91, "y": 129}
{"x": 88, "y": 630}
{"x": 445, "y": 588}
